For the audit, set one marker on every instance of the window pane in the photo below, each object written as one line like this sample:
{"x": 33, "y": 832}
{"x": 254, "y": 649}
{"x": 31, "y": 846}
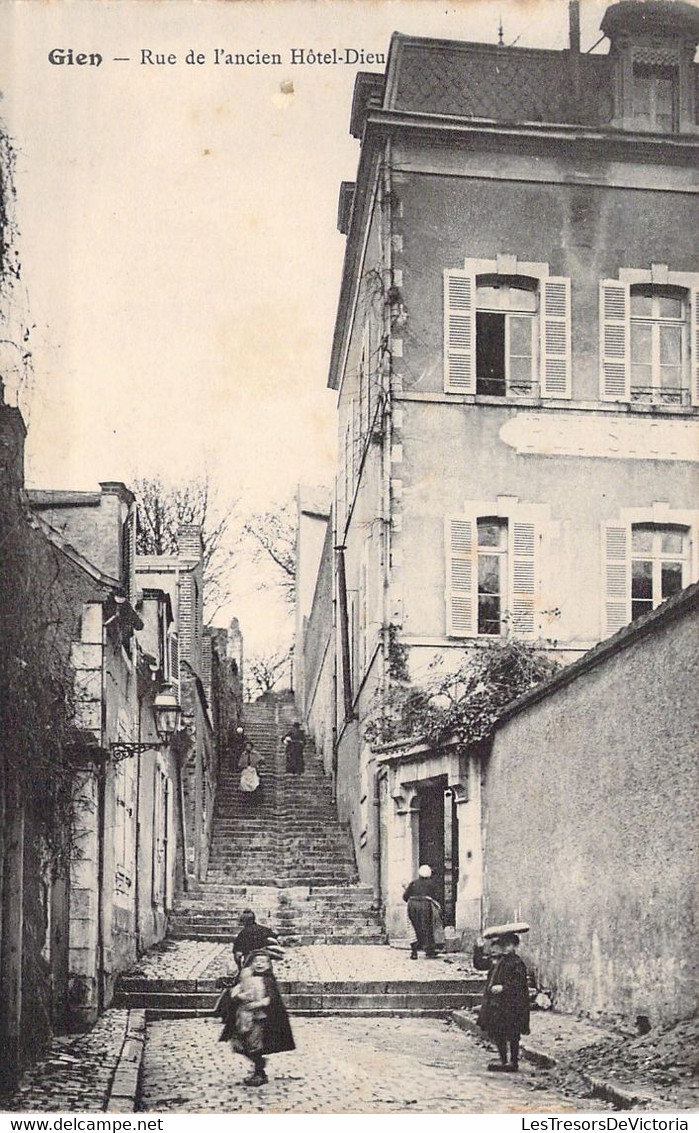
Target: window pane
{"x": 641, "y": 342}
{"x": 670, "y": 579}
{"x": 642, "y": 580}
{"x": 521, "y": 336}
{"x": 489, "y": 615}
{"x": 641, "y": 305}
{"x": 488, "y": 574}
{"x": 670, "y": 345}
{"x": 490, "y": 353}
{"x": 639, "y": 608}
{"x": 641, "y": 540}
{"x": 669, "y": 307}
{"x": 642, "y": 85}
{"x": 522, "y": 299}
{"x": 672, "y": 543}
{"x": 490, "y": 533}
{"x": 488, "y": 297}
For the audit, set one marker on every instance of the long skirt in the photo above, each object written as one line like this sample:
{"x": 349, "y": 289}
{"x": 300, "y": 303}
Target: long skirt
{"x": 421, "y": 917}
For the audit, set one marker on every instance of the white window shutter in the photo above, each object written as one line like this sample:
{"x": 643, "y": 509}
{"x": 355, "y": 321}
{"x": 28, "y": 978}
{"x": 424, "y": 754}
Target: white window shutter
{"x": 616, "y": 567}
{"x": 459, "y": 332}
{"x": 614, "y": 340}
{"x": 694, "y": 347}
{"x": 462, "y": 575}
{"x": 555, "y": 337}
{"x": 523, "y": 578}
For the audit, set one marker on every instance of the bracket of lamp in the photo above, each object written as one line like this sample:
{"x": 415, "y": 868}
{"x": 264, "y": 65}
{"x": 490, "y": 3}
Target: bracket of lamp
{"x": 167, "y": 712}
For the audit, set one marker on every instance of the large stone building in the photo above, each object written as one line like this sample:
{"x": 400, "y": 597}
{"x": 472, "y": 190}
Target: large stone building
{"x": 515, "y": 356}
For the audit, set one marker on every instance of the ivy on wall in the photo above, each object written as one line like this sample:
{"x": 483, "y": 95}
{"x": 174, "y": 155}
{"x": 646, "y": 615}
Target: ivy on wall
{"x": 464, "y": 703}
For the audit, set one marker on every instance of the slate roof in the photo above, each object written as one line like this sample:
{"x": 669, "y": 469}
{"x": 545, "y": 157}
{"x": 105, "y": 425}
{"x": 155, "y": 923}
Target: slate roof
{"x": 477, "y": 80}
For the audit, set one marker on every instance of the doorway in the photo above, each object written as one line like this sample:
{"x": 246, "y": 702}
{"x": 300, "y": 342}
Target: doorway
{"x": 438, "y": 840}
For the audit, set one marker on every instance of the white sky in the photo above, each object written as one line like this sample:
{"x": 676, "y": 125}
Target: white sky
{"x": 180, "y": 256}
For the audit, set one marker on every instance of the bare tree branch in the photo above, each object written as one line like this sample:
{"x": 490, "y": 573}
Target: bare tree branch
{"x": 163, "y": 509}
{"x": 273, "y": 534}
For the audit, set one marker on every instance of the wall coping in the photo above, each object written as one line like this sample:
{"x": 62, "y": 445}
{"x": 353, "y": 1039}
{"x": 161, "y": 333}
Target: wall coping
{"x": 680, "y": 605}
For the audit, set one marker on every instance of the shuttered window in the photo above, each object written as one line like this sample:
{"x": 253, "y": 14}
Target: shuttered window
{"x": 461, "y": 576}
{"x": 555, "y": 338}
{"x": 649, "y": 345}
{"x": 507, "y": 336}
{"x": 459, "y": 332}
{"x": 523, "y": 584}
{"x": 614, "y": 346}
{"x": 616, "y": 577}
{"x": 492, "y": 576}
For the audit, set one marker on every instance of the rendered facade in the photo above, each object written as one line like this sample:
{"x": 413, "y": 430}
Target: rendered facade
{"x": 515, "y": 356}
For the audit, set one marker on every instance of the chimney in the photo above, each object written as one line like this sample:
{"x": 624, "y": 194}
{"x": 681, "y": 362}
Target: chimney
{"x": 574, "y": 26}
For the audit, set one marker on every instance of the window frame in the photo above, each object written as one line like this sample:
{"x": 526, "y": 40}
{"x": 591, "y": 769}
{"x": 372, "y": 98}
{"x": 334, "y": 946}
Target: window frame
{"x": 659, "y": 394}
{"x": 656, "y": 556}
{"x": 505, "y": 285}
{"x": 552, "y": 367}
{"x": 520, "y": 574}
{"x": 615, "y": 332}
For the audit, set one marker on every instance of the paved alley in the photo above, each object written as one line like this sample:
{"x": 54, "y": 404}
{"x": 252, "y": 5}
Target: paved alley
{"x": 340, "y": 1066}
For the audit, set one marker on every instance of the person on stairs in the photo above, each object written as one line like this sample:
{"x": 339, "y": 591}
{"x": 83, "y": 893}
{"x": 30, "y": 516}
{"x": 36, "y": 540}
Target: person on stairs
{"x": 252, "y": 937}
{"x": 424, "y": 912}
{"x": 236, "y": 743}
{"x": 256, "y": 1022}
{"x": 248, "y": 765}
{"x": 294, "y": 743}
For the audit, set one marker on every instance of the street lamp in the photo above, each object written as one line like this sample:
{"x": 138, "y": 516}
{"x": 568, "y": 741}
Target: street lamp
{"x": 167, "y": 711}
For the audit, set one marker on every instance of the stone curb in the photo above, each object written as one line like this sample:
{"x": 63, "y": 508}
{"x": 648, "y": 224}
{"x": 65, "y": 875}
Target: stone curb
{"x": 608, "y": 1090}
{"x": 123, "y": 1090}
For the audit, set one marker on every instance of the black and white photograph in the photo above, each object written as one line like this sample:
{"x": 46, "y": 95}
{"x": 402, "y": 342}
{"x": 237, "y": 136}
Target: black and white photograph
{"x": 349, "y": 561}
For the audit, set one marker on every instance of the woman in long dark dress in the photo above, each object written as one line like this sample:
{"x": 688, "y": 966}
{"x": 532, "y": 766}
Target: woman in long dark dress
{"x": 256, "y": 1022}
{"x": 424, "y": 911}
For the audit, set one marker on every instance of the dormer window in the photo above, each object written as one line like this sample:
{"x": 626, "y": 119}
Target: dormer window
{"x": 656, "y": 98}
{"x": 652, "y": 46}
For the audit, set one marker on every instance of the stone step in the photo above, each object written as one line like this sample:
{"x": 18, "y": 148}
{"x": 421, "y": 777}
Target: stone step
{"x": 178, "y": 998}
{"x": 227, "y": 935}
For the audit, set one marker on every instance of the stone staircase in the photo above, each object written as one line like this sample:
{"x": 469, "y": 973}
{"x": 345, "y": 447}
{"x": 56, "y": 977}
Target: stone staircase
{"x": 282, "y": 852}
{"x": 174, "y": 999}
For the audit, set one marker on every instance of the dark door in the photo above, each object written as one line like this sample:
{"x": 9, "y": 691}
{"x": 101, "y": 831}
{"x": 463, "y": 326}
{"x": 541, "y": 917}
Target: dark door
{"x": 431, "y": 830}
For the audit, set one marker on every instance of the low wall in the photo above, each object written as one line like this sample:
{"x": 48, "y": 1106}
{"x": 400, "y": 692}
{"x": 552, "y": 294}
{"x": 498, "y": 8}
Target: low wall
{"x": 590, "y": 817}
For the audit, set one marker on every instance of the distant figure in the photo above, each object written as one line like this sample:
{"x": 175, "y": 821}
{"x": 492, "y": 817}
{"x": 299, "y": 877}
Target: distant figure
{"x": 252, "y": 937}
{"x": 504, "y": 1014}
{"x": 255, "y": 1019}
{"x": 294, "y": 742}
{"x": 237, "y": 744}
{"x": 248, "y": 765}
{"x": 424, "y": 912}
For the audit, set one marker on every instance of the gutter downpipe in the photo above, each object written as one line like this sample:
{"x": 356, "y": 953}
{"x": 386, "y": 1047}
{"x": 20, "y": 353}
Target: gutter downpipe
{"x": 101, "y": 819}
{"x": 387, "y": 440}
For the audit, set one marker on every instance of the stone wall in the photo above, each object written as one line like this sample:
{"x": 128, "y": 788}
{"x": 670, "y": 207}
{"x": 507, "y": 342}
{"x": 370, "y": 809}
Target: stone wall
{"x": 590, "y": 815}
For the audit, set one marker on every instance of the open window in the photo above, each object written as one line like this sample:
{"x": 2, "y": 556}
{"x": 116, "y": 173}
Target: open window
{"x": 506, "y": 333}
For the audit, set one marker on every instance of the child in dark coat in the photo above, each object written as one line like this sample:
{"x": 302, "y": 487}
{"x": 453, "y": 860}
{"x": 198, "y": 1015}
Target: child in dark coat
{"x": 504, "y": 1014}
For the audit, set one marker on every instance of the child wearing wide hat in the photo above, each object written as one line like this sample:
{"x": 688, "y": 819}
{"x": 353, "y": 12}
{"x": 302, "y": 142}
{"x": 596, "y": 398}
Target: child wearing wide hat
{"x": 504, "y": 1014}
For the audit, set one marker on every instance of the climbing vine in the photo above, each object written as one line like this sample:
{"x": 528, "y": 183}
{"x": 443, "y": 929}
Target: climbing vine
{"x": 41, "y": 745}
{"x": 464, "y": 703}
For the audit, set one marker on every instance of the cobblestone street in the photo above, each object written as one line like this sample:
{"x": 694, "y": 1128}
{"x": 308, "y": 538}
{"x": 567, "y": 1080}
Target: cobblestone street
{"x": 199, "y": 959}
{"x": 340, "y": 1066}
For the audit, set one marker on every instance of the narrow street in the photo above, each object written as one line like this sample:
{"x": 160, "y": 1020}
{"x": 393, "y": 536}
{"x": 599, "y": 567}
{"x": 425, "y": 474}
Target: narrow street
{"x": 341, "y": 1065}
